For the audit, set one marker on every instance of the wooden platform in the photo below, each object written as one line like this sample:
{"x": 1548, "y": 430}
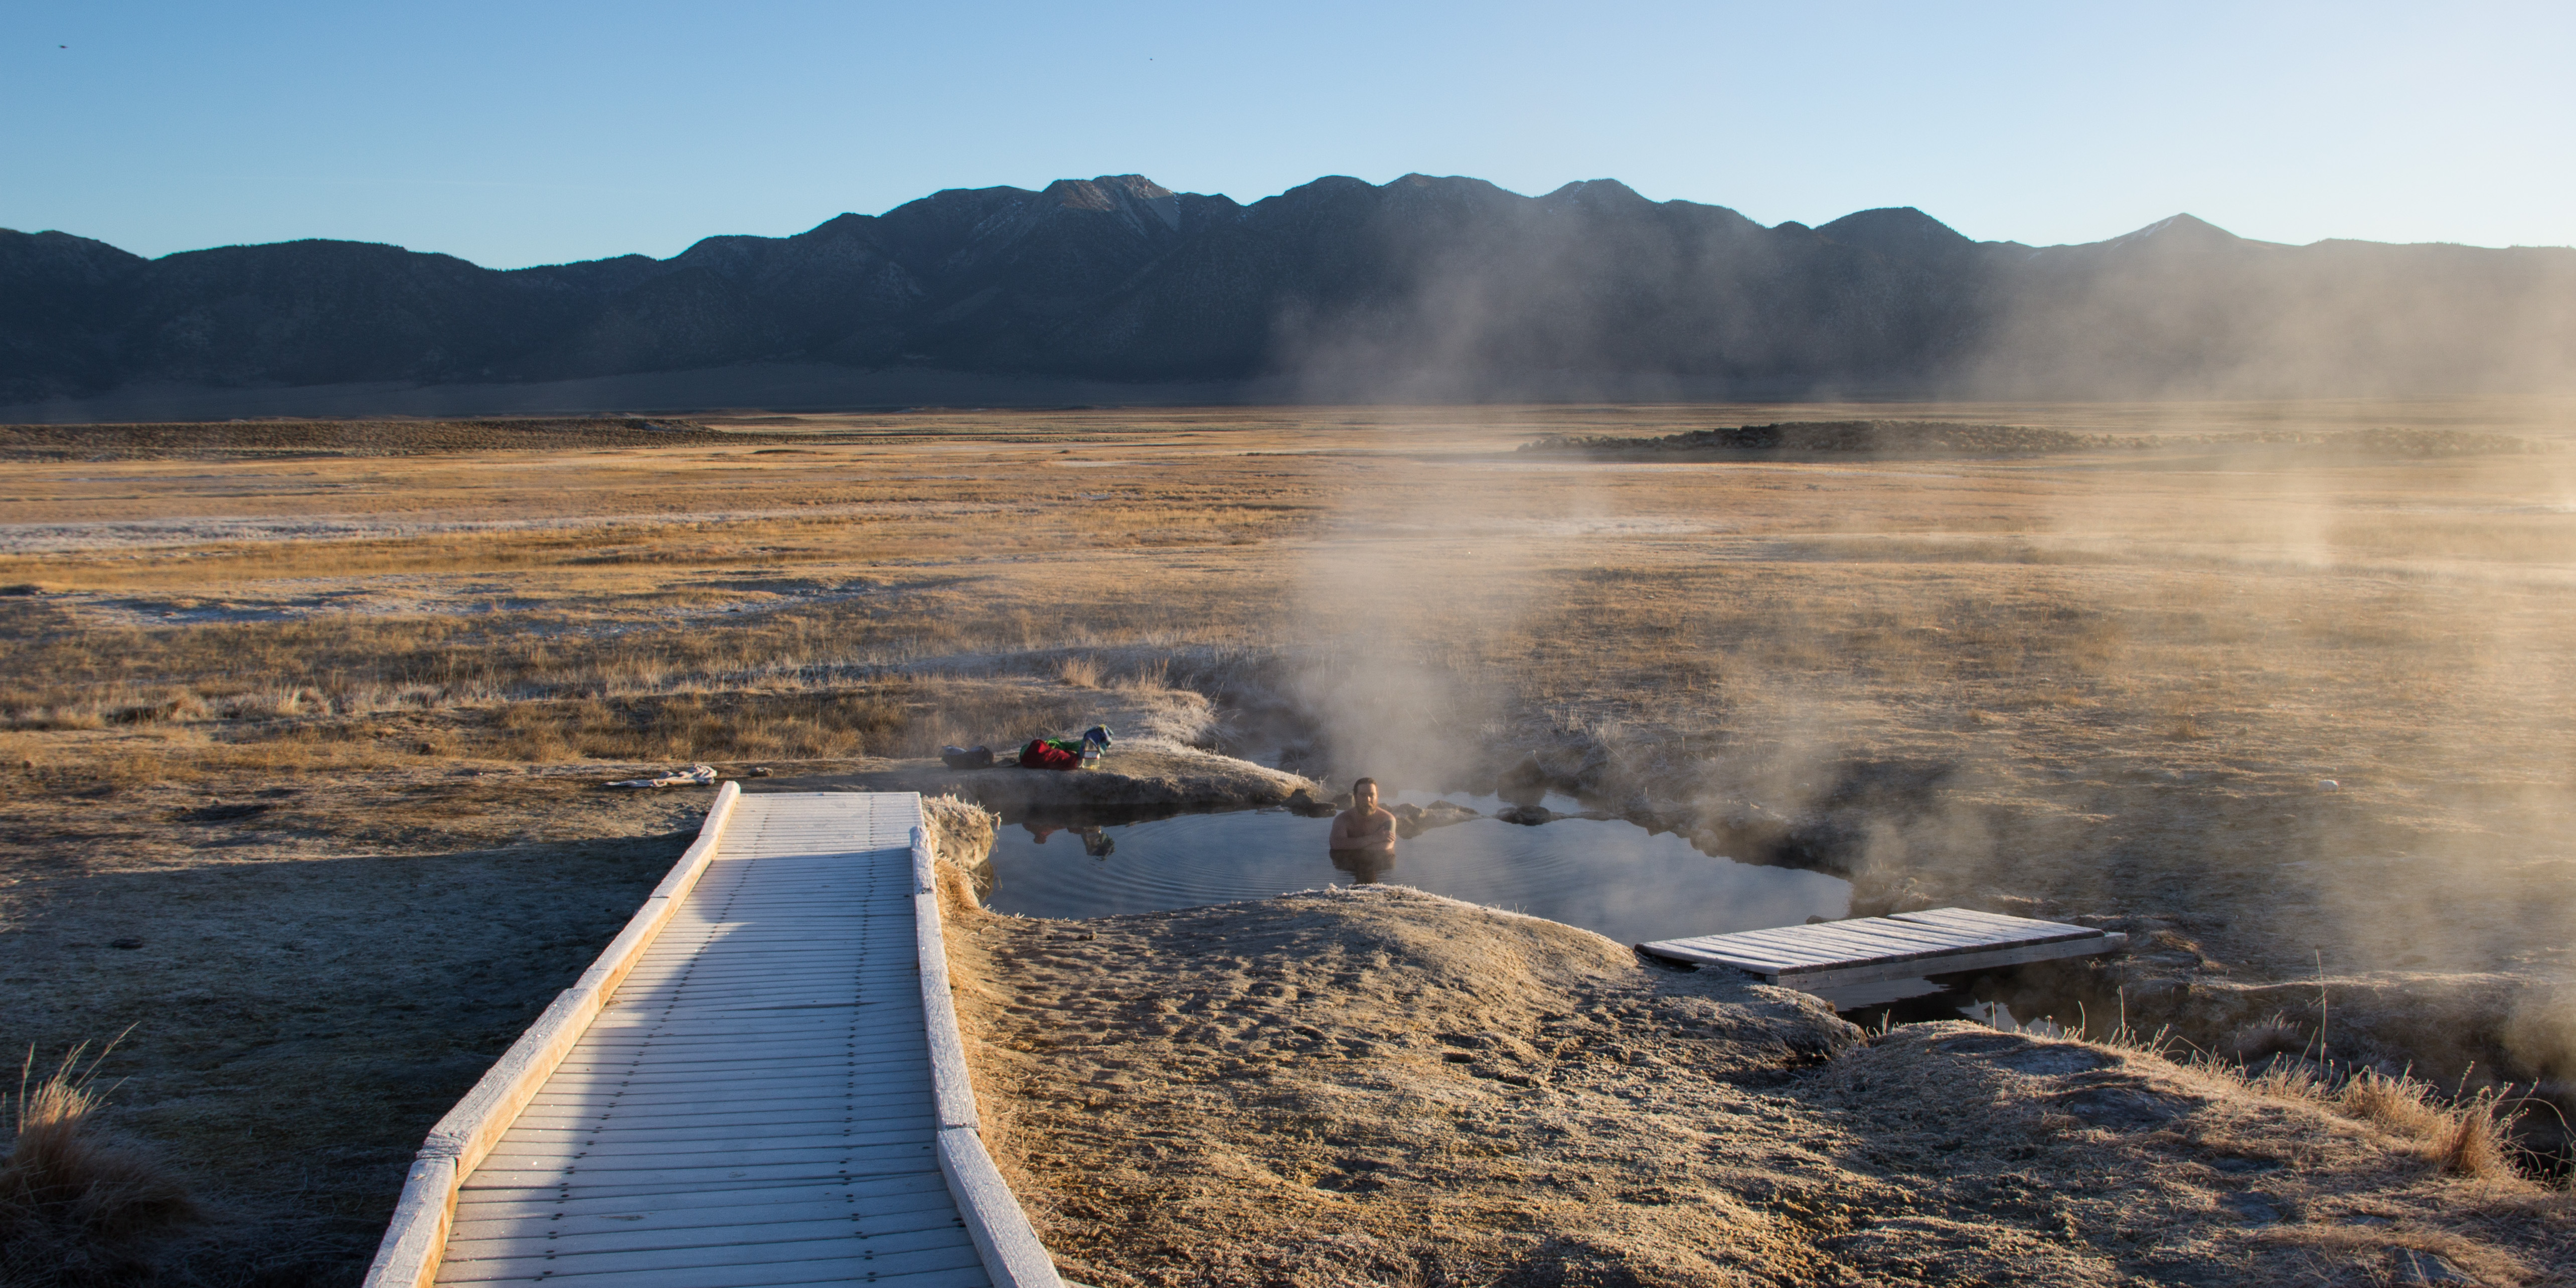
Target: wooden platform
{"x": 1908, "y": 945}
{"x": 768, "y": 1095}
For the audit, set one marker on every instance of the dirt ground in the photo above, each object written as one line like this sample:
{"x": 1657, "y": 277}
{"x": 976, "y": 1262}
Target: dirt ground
{"x": 322, "y": 730}
{"x": 1371, "y": 1085}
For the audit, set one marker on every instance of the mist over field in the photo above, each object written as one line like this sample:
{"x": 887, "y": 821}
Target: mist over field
{"x": 2250, "y": 648}
{"x": 2302, "y": 687}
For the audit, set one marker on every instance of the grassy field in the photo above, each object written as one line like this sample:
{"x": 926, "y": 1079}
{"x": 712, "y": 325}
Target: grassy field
{"x": 314, "y": 726}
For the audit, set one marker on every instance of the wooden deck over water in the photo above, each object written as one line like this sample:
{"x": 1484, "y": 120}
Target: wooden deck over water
{"x": 760, "y": 1099}
{"x": 1863, "y": 950}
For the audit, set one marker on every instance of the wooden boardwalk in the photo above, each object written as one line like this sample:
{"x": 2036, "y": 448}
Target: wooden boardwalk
{"x": 1908, "y": 945}
{"x": 770, "y": 1093}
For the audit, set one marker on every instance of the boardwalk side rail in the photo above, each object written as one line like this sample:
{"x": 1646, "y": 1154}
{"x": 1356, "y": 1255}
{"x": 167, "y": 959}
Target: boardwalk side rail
{"x": 1004, "y": 1240}
{"x": 417, "y": 1238}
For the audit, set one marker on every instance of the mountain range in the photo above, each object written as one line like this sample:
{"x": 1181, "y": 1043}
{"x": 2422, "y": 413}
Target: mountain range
{"x": 1339, "y": 289}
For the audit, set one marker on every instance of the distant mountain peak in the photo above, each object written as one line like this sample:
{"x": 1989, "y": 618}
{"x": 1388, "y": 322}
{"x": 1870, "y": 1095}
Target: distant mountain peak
{"x": 2182, "y": 230}
{"x": 1103, "y": 192}
{"x": 1602, "y": 194}
{"x": 1111, "y": 193}
{"x": 1895, "y": 231}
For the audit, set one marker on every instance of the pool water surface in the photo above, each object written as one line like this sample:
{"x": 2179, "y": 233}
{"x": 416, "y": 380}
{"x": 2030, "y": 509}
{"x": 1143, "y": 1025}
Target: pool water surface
{"x": 1609, "y": 876}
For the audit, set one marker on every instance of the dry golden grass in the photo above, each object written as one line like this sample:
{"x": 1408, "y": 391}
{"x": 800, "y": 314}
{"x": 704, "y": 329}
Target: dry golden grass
{"x": 2056, "y": 686}
{"x": 2053, "y": 627}
{"x": 2029, "y": 619}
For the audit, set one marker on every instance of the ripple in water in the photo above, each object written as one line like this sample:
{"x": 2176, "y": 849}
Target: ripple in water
{"x": 1613, "y": 877}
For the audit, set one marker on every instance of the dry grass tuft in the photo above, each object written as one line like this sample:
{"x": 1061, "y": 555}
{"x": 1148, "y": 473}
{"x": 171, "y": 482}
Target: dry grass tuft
{"x": 2399, "y": 1104}
{"x": 2468, "y": 1137}
{"x": 1080, "y": 672}
{"x": 76, "y": 1205}
{"x": 2474, "y": 1144}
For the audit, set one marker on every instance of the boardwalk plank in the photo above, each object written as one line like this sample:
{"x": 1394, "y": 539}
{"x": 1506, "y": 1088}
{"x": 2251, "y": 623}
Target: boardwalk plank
{"x": 718, "y": 1208}
{"x": 631, "y": 1196}
{"x": 825, "y": 1165}
{"x": 723, "y": 980}
{"x": 752, "y": 1022}
{"x": 1995, "y": 922}
{"x": 787, "y": 1000}
{"x": 783, "y": 1276}
{"x": 758, "y": 961}
{"x": 648, "y": 1089}
{"x": 624, "y": 1140}
{"x": 1845, "y": 938}
{"x": 544, "y": 1115}
{"x": 619, "y": 1130}
{"x": 893, "y": 1074}
{"x": 614, "y": 1145}
{"x": 745, "y": 1037}
{"x": 664, "y": 1063}
{"x": 738, "y": 1265}
{"x": 709, "y": 1059}
{"x": 543, "y": 1110}
{"x": 714, "y": 1227}
{"x": 1840, "y": 942}
{"x": 608, "y": 1248}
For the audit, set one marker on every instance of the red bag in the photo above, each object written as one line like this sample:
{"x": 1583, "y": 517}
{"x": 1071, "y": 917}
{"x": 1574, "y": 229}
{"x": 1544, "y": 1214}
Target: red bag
{"x": 1038, "y": 755}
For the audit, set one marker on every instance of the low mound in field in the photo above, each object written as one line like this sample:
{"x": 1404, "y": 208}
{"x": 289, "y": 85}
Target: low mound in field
{"x": 1922, "y": 439}
{"x": 1877, "y": 438}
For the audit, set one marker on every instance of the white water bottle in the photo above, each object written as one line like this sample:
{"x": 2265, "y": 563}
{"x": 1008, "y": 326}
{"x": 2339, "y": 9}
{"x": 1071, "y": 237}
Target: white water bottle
{"x": 1090, "y": 752}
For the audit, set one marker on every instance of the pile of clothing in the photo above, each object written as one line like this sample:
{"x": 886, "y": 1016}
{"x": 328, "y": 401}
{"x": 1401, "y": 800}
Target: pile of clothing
{"x": 693, "y": 776}
{"x": 1041, "y": 753}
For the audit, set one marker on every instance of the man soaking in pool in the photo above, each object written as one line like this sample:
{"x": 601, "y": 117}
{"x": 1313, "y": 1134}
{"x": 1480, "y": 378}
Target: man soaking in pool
{"x": 1363, "y": 841}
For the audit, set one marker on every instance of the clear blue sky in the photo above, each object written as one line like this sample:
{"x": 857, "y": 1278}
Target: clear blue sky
{"x": 518, "y": 133}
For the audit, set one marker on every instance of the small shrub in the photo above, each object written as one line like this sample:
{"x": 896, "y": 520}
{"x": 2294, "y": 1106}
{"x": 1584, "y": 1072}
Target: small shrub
{"x": 1150, "y": 677}
{"x": 2271, "y": 1036}
{"x": 77, "y": 1206}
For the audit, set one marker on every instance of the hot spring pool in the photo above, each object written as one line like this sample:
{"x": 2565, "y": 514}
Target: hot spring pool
{"x": 1609, "y": 876}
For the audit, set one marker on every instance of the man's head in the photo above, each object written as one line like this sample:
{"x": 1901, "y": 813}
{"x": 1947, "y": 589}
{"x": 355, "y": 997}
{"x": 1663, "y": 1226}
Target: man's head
{"x": 1364, "y": 793}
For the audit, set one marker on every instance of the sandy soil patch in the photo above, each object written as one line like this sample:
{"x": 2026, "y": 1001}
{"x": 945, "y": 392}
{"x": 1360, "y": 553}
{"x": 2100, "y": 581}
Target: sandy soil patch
{"x": 1374, "y": 1085}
